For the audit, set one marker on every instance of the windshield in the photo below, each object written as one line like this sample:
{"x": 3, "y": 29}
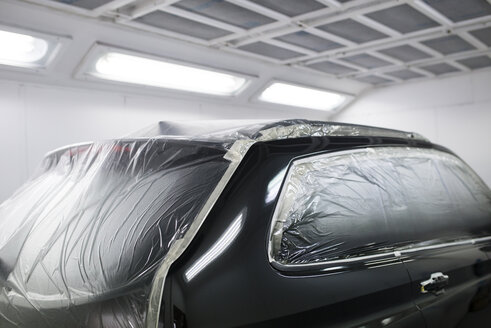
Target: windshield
{"x": 98, "y": 220}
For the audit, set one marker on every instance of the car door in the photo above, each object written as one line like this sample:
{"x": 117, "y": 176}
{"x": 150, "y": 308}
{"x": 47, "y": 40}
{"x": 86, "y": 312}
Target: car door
{"x": 456, "y": 279}
{"x": 450, "y": 211}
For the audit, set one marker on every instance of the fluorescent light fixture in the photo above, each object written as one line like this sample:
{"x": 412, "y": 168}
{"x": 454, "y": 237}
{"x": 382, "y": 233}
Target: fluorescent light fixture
{"x": 128, "y": 68}
{"x": 300, "y": 96}
{"x": 26, "y": 50}
{"x": 217, "y": 249}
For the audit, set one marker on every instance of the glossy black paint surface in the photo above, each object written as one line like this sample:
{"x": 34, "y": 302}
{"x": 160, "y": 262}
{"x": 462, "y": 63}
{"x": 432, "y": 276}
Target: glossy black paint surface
{"x": 464, "y": 302}
{"x": 240, "y": 287}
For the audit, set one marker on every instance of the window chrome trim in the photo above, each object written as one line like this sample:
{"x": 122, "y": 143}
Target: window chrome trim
{"x": 397, "y": 253}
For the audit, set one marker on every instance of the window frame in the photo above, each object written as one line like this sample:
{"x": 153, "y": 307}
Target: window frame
{"x": 364, "y": 261}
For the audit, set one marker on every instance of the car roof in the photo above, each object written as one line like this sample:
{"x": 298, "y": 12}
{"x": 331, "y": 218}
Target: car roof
{"x": 237, "y": 135}
{"x": 228, "y": 130}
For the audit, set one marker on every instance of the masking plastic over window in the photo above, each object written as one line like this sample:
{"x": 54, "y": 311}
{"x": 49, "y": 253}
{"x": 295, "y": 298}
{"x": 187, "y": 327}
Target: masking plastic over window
{"x": 363, "y": 202}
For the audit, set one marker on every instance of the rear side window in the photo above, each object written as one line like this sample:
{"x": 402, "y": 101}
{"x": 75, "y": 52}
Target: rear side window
{"x": 374, "y": 200}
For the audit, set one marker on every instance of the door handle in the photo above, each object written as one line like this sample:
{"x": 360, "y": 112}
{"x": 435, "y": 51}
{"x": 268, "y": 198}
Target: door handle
{"x": 436, "y": 284}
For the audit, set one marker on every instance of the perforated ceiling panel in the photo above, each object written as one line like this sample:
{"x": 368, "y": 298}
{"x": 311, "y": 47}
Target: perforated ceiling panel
{"x": 309, "y": 41}
{"x": 461, "y": 10}
{"x": 269, "y": 50}
{"x": 483, "y": 35}
{"x": 405, "y": 74}
{"x": 332, "y": 68}
{"x": 86, "y": 4}
{"x": 366, "y": 61}
{"x": 439, "y": 69}
{"x": 353, "y": 31}
{"x": 181, "y": 25}
{"x": 449, "y": 44}
{"x": 291, "y": 7}
{"x": 403, "y": 19}
{"x": 372, "y": 79}
{"x": 225, "y": 12}
{"x": 372, "y": 41}
{"x": 476, "y": 62}
{"x": 405, "y": 53}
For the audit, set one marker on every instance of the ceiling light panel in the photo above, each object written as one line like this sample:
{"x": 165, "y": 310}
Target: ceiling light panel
{"x": 27, "y": 49}
{"x": 128, "y": 67}
{"x": 302, "y": 96}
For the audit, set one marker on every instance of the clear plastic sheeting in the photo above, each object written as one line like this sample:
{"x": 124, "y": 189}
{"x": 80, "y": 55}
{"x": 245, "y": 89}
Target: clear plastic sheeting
{"x": 357, "y": 203}
{"x": 228, "y": 131}
{"x": 88, "y": 240}
{"x": 94, "y": 224}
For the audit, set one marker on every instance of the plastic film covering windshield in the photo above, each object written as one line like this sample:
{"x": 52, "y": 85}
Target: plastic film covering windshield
{"x": 358, "y": 203}
{"x": 88, "y": 241}
{"x": 79, "y": 243}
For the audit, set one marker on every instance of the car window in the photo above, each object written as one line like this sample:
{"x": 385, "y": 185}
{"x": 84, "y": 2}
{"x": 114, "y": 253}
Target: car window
{"x": 362, "y": 202}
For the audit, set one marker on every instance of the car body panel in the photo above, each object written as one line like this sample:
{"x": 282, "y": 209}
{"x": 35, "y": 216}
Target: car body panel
{"x": 464, "y": 302}
{"x": 247, "y": 290}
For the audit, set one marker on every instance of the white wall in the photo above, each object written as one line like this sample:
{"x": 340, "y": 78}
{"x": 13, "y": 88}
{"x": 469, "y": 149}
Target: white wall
{"x": 454, "y": 112}
{"x": 35, "y": 119}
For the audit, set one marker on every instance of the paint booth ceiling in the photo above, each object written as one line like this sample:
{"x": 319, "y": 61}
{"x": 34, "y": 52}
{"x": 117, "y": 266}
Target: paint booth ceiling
{"x": 377, "y": 42}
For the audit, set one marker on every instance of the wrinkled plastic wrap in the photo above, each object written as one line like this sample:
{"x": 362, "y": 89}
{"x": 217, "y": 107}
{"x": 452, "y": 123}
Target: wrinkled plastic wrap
{"x": 94, "y": 224}
{"x": 87, "y": 242}
{"x": 357, "y": 203}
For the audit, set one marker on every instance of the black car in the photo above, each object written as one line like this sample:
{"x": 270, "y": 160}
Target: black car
{"x": 272, "y": 224}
